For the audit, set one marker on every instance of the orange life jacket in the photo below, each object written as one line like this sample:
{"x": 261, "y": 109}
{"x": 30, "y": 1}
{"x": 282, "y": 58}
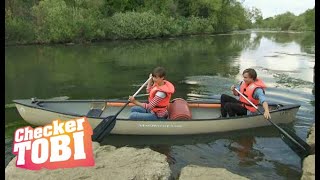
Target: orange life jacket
{"x": 167, "y": 88}
{"x": 248, "y": 90}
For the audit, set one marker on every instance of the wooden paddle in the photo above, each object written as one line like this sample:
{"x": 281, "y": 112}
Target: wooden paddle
{"x": 107, "y": 124}
{"x": 300, "y": 146}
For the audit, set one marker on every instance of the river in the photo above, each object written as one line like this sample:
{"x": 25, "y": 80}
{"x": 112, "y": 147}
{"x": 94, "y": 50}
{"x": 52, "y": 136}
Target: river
{"x": 201, "y": 67}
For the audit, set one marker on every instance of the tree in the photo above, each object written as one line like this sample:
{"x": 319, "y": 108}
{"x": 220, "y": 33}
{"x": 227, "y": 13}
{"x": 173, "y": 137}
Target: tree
{"x": 256, "y": 16}
{"x": 310, "y": 19}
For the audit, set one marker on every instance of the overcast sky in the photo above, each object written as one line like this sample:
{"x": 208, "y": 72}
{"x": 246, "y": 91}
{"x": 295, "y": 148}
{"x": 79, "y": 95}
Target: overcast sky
{"x": 270, "y": 8}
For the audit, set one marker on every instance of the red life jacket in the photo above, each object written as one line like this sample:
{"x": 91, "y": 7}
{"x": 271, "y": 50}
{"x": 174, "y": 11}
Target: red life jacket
{"x": 167, "y": 88}
{"x": 248, "y": 90}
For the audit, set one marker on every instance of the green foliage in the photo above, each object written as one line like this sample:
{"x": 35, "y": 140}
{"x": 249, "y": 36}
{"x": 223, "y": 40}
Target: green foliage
{"x": 205, "y": 8}
{"x": 87, "y": 24}
{"x": 57, "y": 22}
{"x": 298, "y": 24}
{"x": 284, "y": 20}
{"x": 134, "y": 25}
{"x": 255, "y": 15}
{"x": 52, "y": 20}
{"x": 196, "y": 25}
{"x": 310, "y": 19}
{"x": 18, "y": 29}
{"x": 288, "y": 21}
{"x": 111, "y": 7}
{"x": 235, "y": 17}
{"x": 60, "y": 21}
{"x": 166, "y": 7}
{"x": 183, "y": 7}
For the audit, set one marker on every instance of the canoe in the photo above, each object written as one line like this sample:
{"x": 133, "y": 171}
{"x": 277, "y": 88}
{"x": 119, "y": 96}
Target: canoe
{"x": 192, "y": 117}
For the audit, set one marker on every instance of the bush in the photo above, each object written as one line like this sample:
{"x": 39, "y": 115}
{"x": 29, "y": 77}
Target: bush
{"x": 134, "y": 25}
{"x": 196, "y": 25}
{"x": 52, "y": 21}
{"x": 57, "y": 22}
{"x": 18, "y": 29}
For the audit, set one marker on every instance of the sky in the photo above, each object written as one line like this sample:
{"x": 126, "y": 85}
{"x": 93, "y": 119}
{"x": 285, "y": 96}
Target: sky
{"x": 270, "y": 8}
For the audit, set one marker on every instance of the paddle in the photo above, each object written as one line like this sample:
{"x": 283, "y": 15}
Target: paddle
{"x": 299, "y": 146}
{"x": 107, "y": 124}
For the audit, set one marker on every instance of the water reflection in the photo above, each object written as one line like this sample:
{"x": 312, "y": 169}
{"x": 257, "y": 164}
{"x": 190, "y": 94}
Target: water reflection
{"x": 243, "y": 147}
{"x": 93, "y": 71}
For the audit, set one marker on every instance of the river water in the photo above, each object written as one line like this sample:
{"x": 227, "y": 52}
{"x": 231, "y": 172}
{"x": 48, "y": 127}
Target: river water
{"x": 201, "y": 67}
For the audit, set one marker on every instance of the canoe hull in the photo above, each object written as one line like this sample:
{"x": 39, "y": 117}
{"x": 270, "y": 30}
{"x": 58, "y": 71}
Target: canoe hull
{"x": 41, "y": 117}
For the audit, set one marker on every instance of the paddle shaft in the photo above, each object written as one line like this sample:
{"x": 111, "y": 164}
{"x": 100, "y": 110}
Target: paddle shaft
{"x": 145, "y": 83}
{"x": 278, "y": 127}
{"x": 132, "y": 96}
{"x": 106, "y": 125}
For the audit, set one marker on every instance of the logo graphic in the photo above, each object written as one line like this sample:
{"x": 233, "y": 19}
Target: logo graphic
{"x": 62, "y": 144}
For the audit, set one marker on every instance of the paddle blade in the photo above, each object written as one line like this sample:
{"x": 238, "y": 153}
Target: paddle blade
{"x": 302, "y": 153}
{"x": 103, "y": 128}
{"x": 300, "y": 147}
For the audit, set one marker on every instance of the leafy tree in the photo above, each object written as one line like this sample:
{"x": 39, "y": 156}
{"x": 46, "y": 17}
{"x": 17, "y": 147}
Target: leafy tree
{"x": 60, "y": 21}
{"x": 298, "y": 24}
{"x": 183, "y": 8}
{"x": 255, "y": 16}
{"x": 310, "y": 19}
{"x": 285, "y": 20}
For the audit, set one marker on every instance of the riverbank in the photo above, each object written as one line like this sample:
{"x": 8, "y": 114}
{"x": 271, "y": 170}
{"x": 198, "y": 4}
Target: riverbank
{"x": 308, "y": 166}
{"x": 122, "y": 163}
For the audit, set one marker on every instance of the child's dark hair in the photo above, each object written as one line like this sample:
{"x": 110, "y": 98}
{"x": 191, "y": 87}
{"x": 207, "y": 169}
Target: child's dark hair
{"x": 159, "y": 72}
{"x": 252, "y": 73}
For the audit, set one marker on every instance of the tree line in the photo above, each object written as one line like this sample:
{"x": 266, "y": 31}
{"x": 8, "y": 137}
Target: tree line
{"x": 63, "y": 21}
{"x": 289, "y": 21}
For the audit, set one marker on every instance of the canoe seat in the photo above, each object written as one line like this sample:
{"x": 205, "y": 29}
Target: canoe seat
{"x": 179, "y": 110}
{"x": 96, "y": 110}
